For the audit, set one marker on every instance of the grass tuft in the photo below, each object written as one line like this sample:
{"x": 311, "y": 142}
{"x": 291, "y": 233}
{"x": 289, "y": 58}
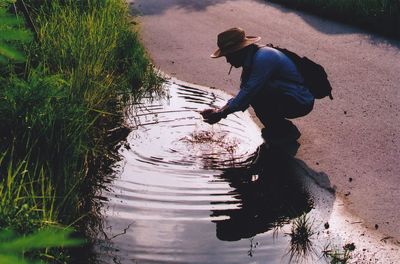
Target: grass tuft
{"x": 300, "y": 238}
{"x": 337, "y": 256}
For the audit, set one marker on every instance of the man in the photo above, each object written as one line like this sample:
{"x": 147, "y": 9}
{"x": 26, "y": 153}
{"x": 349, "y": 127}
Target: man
{"x": 270, "y": 83}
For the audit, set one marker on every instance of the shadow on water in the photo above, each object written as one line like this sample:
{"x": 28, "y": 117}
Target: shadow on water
{"x": 188, "y": 192}
{"x": 271, "y": 194}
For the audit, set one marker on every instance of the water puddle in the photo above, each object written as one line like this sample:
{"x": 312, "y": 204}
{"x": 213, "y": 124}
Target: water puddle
{"x": 186, "y": 191}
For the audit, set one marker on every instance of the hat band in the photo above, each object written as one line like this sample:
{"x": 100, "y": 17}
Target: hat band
{"x": 229, "y": 45}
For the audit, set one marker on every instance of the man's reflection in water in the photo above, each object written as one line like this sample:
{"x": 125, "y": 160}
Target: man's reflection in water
{"x": 270, "y": 193}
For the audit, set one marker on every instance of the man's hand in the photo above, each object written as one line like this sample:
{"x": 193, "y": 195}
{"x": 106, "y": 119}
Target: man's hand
{"x": 211, "y": 116}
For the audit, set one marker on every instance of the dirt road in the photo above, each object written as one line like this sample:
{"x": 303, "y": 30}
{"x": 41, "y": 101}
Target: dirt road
{"x": 353, "y": 139}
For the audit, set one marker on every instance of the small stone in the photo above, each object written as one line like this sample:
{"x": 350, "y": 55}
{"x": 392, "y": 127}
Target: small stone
{"x": 326, "y": 225}
{"x": 350, "y": 179}
{"x": 345, "y": 112}
{"x": 376, "y": 226}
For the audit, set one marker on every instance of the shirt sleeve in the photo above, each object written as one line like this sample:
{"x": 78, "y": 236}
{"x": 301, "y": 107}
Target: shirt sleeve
{"x": 263, "y": 67}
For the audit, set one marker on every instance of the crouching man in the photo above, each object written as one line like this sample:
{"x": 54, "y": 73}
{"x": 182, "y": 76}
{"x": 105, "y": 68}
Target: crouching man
{"x": 270, "y": 83}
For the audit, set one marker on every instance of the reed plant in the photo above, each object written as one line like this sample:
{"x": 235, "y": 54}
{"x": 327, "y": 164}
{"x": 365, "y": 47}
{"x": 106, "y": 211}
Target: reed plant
{"x": 84, "y": 67}
{"x": 23, "y": 207}
{"x": 99, "y": 52}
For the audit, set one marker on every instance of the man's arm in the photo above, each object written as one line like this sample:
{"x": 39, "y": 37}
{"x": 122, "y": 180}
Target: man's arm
{"x": 264, "y": 66}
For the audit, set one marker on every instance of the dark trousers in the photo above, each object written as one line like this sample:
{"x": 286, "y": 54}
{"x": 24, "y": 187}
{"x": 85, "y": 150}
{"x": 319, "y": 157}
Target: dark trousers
{"x": 274, "y": 110}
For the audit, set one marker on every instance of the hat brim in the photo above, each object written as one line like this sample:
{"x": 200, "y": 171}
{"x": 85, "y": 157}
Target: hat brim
{"x": 246, "y": 42}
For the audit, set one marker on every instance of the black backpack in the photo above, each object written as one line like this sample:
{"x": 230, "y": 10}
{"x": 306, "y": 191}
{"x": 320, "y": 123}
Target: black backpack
{"x": 314, "y": 75}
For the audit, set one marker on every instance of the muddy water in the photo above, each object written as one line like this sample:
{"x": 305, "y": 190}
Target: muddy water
{"x": 187, "y": 192}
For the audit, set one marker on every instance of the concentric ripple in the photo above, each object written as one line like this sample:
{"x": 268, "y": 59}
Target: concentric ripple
{"x": 181, "y": 196}
{"x": 172, "y": 157}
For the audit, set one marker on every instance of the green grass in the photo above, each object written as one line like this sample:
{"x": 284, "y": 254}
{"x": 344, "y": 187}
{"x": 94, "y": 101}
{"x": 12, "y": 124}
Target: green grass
{"x": 337, "y": 256}
{"x": 56, "y": 110}
{"x": 381, "y": 16}
{"x": 12, "y": 32}
{"x": 13, "y": 247}
{"x": 100, "y": 61}
{"x": 24, "y": 206}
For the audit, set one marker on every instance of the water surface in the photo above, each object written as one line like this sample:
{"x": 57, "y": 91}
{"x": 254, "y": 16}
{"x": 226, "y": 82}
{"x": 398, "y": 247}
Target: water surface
{"x": 186, "y": 191}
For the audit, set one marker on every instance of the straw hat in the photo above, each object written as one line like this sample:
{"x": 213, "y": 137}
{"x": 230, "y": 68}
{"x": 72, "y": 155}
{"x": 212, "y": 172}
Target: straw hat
{"x": 233, "y": 40}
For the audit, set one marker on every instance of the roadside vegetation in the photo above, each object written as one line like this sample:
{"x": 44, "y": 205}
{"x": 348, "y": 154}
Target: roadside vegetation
{"x": 303, "y": 250}
{"x": 68, "y": 69}
{"x": 381, "y": 16}
{"x": 335, "y": 255}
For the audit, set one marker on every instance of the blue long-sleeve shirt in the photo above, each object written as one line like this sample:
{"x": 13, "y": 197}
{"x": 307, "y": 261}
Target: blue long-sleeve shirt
{"x": 272, "y": 70}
